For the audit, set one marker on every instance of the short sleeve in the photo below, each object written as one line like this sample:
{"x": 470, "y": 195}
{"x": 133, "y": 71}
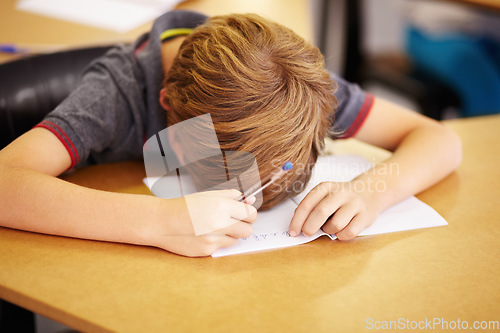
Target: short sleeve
{"x": 116, "y": 106}
{"x": 101, "y": 120}
{"x": 353, "y": 106}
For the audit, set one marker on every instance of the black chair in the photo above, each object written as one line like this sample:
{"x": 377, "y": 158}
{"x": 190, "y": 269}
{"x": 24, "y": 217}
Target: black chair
{"x": 29, "y": 89}
{"x": 33, "y": 86}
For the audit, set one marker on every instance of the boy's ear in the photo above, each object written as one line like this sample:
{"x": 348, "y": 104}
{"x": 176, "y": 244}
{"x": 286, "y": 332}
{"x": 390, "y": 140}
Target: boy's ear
{"x": 163, "y": 92}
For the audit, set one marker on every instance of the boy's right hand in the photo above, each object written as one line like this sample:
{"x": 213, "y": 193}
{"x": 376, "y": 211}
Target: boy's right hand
{"x": 199, "y": 224}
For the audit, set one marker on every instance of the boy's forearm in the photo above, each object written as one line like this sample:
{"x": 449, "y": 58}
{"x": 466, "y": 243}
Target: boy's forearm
{"x": 36, "y": 202}
{"x": 423, "y": 158}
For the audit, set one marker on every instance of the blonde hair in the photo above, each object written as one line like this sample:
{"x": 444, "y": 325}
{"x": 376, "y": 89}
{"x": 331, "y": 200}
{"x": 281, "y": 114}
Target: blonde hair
{"x": 266, "y": 89}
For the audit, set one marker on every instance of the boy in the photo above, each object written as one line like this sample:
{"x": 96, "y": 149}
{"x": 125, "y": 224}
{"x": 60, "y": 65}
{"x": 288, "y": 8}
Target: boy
{"x": 268, "y": 94}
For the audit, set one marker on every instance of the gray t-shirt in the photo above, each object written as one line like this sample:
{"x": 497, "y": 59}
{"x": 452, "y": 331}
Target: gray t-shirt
{"x": 115, "y": 108}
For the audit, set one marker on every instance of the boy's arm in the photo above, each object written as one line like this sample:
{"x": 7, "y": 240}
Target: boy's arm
{"x": 33, "y": 199}
{"x": 424, "y": 153}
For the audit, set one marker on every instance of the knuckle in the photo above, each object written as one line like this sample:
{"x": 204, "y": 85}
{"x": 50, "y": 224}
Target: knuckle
{"x": 347, "y": 234}
{"x": 324, "y": 210}
{"x": 336, "y": 224}
{"x": 356, "y": 201}
{"x": 325, "y": 185}
{"x": 303, "y": 208}
{"x": 208, "y": 248}
{"x": 330, "y": 186}
{"x": 308, "y": 231}
{"x": 329, "y": 228}
{"x": 208, "y": 242}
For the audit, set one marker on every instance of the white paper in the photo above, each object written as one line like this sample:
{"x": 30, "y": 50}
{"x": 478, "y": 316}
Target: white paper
{"x": 116, "y": 15}
{"x": 270, "y": 231}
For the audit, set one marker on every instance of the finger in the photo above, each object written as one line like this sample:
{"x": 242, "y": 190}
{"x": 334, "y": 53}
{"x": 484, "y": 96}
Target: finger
{"x": 340, "y": 219}
{"x": 306, "y": 206}
{"x": 251, "y": 217}
{"x": 239, "y": 210}
{"x": 353, "y": 229}
{"x": 228, "y": 242}
{"x": 250, "y": 200}
{"x": 238, "y": 230}
{"x": 242, "y": 211}
{"x": 320, "y": 215}
{"x": 215, "y": 241}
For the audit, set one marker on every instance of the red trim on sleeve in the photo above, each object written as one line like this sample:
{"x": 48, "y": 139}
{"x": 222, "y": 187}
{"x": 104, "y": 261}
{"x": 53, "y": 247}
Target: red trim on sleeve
{"x": 360, "y": 118}
{"x": 63, "y": 137}
{"x": 61, "y": 131}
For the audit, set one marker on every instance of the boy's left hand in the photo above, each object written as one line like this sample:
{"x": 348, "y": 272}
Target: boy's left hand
{"x": 337, "y": 208}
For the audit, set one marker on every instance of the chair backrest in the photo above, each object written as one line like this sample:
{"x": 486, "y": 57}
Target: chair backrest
{"x": 31, "y": 87}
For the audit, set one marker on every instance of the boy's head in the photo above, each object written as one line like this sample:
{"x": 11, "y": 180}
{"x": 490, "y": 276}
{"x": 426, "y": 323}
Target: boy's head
{"x": 266, "y": 89}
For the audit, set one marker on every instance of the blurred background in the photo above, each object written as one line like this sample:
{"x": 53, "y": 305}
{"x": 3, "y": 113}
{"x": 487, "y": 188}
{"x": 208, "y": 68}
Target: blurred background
{"x": 441, "y": 58}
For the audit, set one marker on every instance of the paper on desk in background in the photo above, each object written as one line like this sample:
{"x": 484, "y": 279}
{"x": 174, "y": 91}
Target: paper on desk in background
{"x": 116, "y": 15}
{"x": 270, "y": 231}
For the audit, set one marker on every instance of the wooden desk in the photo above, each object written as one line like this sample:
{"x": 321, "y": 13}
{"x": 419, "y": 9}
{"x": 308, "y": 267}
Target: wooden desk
{"x": 324, "y": 286}
{"x": 26, "y": 28}
{"x": 23, "y": 27}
